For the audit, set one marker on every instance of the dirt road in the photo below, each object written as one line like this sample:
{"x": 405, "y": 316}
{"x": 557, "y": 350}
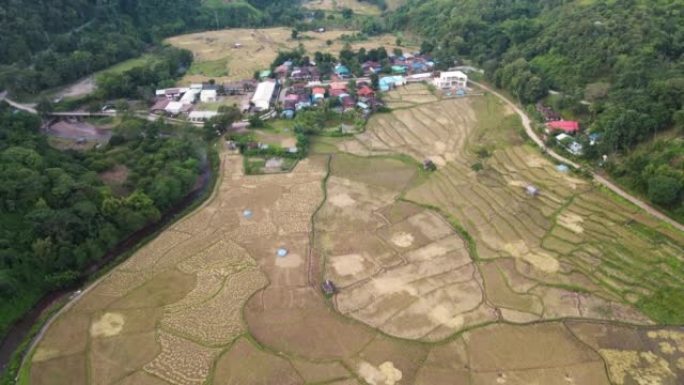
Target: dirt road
{"x": 598, "y": 178}
{"x": 24, "y": 107}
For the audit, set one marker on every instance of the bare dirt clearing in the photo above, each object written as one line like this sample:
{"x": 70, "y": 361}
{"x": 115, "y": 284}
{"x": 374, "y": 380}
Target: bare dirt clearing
{"x": 73, "y": 129}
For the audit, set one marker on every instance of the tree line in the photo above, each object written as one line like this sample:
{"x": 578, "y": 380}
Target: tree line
{"x": 59, "y": 214}
{"x": 47, "y": 43}
{"x": 619, "y": 65}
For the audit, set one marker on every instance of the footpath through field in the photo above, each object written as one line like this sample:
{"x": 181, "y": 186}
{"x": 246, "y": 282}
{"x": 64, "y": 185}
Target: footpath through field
{"x": 598, "y": 178}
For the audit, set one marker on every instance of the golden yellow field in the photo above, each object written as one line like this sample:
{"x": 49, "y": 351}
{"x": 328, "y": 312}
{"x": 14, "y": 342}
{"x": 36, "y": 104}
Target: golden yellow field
{"x": 359, "y": 7}
{"x": 216, "y": 55}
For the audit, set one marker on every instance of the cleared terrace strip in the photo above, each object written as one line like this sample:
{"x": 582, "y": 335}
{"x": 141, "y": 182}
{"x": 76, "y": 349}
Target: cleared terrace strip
{"x": 387, "y": 134}
{"x": 407, "y": 134}
{"x": 508, "y": 212}
{"x": 448, "y": 137}
{"x": 409, "y": 120}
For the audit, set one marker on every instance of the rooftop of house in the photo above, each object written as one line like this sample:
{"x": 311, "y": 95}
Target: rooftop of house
{"x": 338, "y": 86}
{"x": 570, "y": 126}
{"x": 160, "y": 105}
{"x": 365, "y": 91}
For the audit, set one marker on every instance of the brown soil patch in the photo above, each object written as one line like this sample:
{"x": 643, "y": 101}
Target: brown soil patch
{"x": 290, "y": 321}
{"x": 246, "y": 365}
{"x": 141, "y": 378}
{"x": 546, "y": 345}
{"x": 117, "y": 175}
{"x": 447, "y": 363}
{"x": 117, "y": 357}
{"x": 320, "y": 372}
{"x": 74, "y": 130}
{"x": 67, "y": 370}
{"x": 67, "y": 336}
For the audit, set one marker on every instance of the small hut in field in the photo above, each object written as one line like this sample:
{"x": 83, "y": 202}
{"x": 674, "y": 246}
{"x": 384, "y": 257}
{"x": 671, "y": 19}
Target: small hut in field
{"x": 328, "y": 287}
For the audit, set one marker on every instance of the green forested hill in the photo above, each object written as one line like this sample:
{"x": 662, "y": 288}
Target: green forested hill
{"x": 624, "y": 57}
{"x": 45, "y": 43}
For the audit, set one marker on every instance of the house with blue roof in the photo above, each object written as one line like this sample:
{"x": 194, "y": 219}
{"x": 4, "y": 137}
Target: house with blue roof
{"x": 342, "y": 71}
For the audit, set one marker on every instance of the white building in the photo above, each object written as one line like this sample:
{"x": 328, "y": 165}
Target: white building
{"x": 451, "y": 79}
{"x": 208, "y": 96}
{"x": 263, "y": 94}
{"x": 422, "y": 77}
{"x": 174, "y": 108}
{"x": 201, "y": 116}
{"x": 189, "y": 97}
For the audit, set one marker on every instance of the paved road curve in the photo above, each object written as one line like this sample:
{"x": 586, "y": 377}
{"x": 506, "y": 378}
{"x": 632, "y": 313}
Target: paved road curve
{"x": 598, "y": 178}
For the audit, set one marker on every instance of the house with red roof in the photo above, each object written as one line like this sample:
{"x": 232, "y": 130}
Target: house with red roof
{"x": 338, "y": 86}
{"x": 338, "y": 92}
{"x": 567, "y": 126}
{"x": 365, "y": 92}
{"x": 318, "y": 93}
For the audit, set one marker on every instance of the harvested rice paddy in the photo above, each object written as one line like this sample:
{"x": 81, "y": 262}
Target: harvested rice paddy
{"x": 217, "y": 58}
{"x": 358, "y": 7}
{"x": 454, "y": 276}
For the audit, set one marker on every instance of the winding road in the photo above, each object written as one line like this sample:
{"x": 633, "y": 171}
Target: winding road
{"x": 597, "y": 177}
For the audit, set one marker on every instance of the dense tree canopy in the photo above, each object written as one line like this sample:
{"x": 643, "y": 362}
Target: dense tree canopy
{"x": 619, "y": 65}
{"x": 46, "y": 43}
{"x": 57, "y": 216}
{"x": 625, "y": 55}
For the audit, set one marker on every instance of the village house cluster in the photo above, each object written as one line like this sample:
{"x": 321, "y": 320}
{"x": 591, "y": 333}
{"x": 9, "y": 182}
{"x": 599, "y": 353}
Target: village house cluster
{"x": 289, "y": 88}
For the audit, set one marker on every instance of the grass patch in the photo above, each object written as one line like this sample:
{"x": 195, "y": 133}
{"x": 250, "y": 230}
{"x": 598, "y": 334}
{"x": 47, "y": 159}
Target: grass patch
{"x": 323, "y": 146}
{"x": 254, "y": 165}
{"x": 129, "y": 64}
{"x": 665, "y": 305}
{"x": 210, "y": 68}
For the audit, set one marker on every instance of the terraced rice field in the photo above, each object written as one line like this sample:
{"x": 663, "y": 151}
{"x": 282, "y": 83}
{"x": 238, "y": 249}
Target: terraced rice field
{"x": 456, "y": 276}
{"x": 571, "y": 251}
